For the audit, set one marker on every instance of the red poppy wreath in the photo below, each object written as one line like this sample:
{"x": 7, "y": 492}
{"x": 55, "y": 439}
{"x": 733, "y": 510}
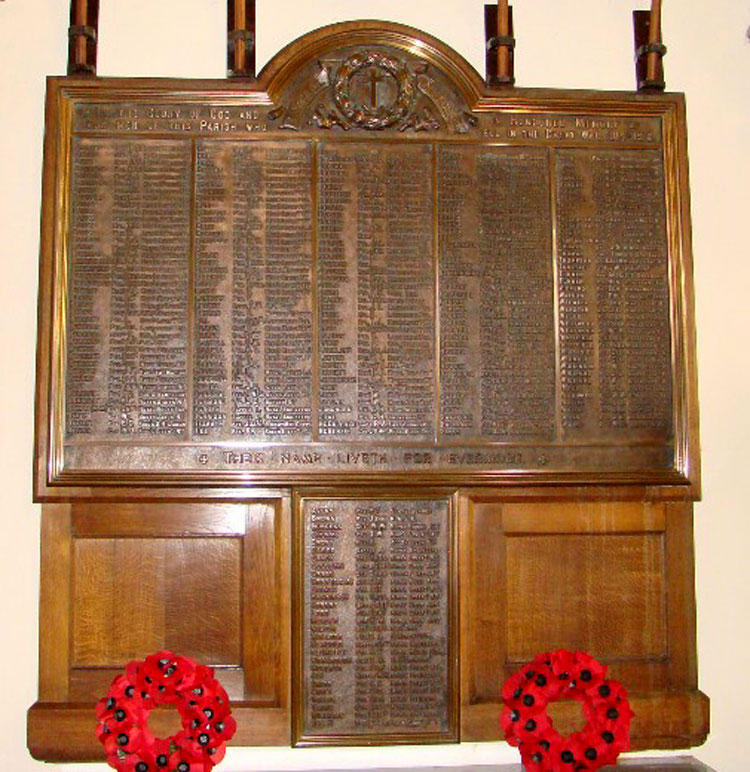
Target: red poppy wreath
{"x": 165, "y": 678}
{"x": 565, "y": 675}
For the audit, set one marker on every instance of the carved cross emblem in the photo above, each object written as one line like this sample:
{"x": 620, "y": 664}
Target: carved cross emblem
{"x": 375, "y": 76}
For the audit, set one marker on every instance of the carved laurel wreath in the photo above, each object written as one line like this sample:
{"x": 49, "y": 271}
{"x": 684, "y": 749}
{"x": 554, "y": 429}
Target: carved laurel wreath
{"x": 362, "y": 115}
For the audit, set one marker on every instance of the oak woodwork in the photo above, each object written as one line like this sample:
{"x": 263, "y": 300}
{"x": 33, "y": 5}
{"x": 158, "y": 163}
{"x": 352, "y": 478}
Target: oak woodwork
{"x": 204, "y": 556}
{"x": 55, "y": 603}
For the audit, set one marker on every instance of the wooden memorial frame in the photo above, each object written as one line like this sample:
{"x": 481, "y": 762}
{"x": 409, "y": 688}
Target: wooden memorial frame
{"x": 561, "y": 476}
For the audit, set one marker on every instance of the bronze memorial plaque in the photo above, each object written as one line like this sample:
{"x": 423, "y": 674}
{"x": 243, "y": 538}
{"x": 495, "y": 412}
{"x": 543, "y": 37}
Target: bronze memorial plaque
{"x": 372, "y": 342}
{"x": 366, "y": 276}
{"x": 375, "y": 625}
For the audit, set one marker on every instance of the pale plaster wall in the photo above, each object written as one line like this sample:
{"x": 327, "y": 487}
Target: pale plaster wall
{"x": 566, "y": 43}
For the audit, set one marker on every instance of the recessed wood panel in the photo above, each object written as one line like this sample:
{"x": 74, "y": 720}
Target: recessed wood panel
{"x": 203, "y": 599}
{"x": 118, "y": 600}
{"x": 570, "y": 574}
{"x": 134, "y": 596}
{"x": 596, "y": 592}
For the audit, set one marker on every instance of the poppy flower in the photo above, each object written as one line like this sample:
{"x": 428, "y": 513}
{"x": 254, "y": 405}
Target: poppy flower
{"x": 536, "y": 762}
{"x": 121, "y": 693}
{"x": 207, "y": 702}
{"x": 531, "y": 727}
{"x": 225, "y": 728}
{"x": 122, "y": 715}
{"x": 508, "y": 720}
{"x": 161, "y": 750}
{"x": 564, "y": 666}
{"x": 161, "y": 674}
{"x": 179, "y": 762}
{"x": 535, "y": 695}
{"x": 589, "y": 673}
{"x": 143, "y": 761}
{"x": 542, "y": 755}
{"x": 513, "y": 687}
{"x": 197, "y": 746}
{"x": 605, "y": 692}
{"x": 600, "y": 747}
{"x": 607, "y": 714}
{"x": 126, "y": 740}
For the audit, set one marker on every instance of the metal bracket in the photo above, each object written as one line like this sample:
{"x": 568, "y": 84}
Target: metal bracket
{"x": 496, "y": 42}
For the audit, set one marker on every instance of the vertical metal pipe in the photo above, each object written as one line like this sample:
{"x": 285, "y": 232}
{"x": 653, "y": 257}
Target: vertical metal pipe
{"x": 81, "y": 43}
{"x": 503, "y": 27}
{"x": 240, "y": 23}
{"x": 654, "y": 39}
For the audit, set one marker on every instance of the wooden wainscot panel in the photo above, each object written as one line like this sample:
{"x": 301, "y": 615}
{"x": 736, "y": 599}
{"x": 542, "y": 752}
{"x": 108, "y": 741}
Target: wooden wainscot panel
{"x": 123, "y": 580}
{"x": 611, "y": 578}
{"x": 54, "y": 603}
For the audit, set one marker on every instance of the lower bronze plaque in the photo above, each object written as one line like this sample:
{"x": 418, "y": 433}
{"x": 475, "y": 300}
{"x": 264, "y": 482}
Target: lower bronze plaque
{"x": 375, "y": 622}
